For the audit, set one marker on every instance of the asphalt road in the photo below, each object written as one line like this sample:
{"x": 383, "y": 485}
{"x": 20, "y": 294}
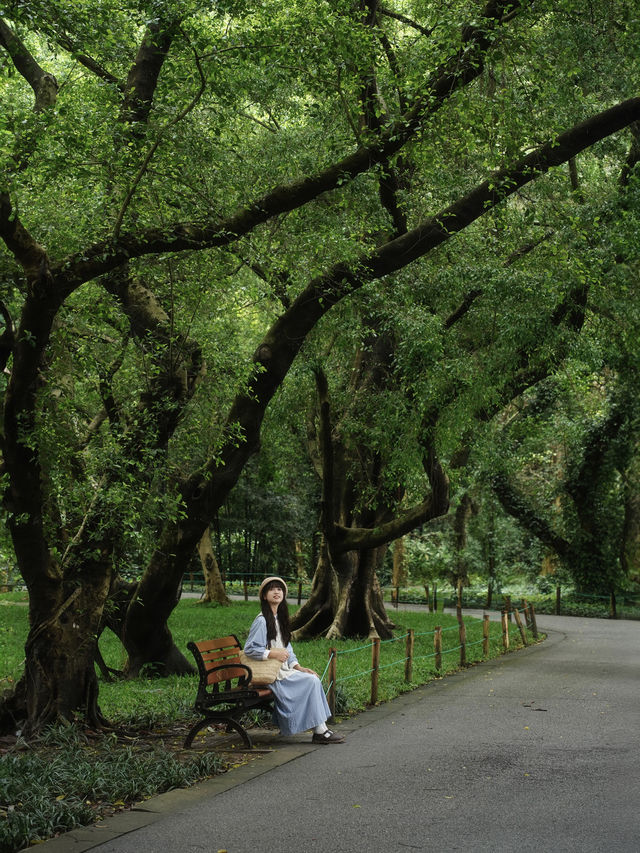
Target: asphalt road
{"x": 538, "y": 750}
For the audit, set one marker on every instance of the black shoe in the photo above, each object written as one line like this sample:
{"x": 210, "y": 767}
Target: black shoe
{"x": 327, "y": 737}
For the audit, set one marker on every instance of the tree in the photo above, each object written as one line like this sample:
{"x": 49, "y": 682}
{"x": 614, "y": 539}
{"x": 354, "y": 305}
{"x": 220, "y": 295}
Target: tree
{"x": 589, "y": 531}
{"x": 198, "y": 119}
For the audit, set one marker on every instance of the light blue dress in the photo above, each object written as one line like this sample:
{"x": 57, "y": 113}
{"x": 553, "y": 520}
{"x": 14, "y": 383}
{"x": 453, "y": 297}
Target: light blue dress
{"x": 300, "y": 703}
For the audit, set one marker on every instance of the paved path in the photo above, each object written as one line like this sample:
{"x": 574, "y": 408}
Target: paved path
{"x": 535, "y": 751}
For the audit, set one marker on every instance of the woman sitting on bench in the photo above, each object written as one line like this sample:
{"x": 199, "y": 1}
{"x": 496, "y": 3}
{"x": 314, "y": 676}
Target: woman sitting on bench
{"x": 300, "y": 703}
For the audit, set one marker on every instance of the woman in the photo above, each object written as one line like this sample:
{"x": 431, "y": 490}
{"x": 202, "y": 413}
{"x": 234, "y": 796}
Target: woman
{"x": 300, "y": 702}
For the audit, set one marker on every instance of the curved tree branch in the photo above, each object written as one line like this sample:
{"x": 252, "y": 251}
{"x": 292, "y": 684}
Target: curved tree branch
{"x": 152, "y": 150}
{"x": 44, "y": 85}
{"x": 283, "y": 341}
{"x": 425, "y": 31}
{"x": 516, "y": 505}
{"x": 458, "y": 71}
{"x": 327, "y": 521}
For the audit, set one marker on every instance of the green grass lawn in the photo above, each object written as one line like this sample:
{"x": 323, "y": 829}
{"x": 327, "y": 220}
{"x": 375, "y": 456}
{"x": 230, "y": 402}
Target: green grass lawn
{"x": 149, "y": 702}
{"x": 68, "y": 779}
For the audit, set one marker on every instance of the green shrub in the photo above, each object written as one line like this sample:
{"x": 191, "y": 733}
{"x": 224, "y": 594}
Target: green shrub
{"x": 62, "y": 784}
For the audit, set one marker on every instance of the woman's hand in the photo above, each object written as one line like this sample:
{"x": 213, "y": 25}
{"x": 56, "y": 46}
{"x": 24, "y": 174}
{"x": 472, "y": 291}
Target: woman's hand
{"x": 306, "y": 669}
{"x": 279, "y": 654}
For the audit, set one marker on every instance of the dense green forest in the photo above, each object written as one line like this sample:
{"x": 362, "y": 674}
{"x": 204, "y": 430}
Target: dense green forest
{"x": 283, "y": 283}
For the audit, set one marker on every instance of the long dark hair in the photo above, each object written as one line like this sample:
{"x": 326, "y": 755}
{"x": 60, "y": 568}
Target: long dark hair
{"x": 283, "y": 615}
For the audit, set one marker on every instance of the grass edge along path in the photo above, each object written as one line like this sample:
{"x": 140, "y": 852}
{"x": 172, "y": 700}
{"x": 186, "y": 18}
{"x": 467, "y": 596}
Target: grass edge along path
{"x": 72, "y": 778}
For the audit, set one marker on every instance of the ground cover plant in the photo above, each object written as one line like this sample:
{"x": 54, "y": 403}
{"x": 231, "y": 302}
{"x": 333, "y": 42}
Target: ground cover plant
{"x": 70, "y": 777}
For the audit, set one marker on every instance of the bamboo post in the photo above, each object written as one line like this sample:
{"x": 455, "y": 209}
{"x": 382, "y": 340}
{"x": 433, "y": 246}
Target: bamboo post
{"x": 299, "y": 592}
{"x": 375, "y": 665}
{"x": 521, "y": 628}
{"x": 437, "y": 646}
{"x": 408, "y": 664}
{"x": 331, "y": 695}
{"x": 534, "y": 624}
{"x": 557, "y": 601}
{"x": 505, "y": 630}
{"x": 246, "y": 589}
{"x": 462, "y": 630}
{"x": 485, "y": 635}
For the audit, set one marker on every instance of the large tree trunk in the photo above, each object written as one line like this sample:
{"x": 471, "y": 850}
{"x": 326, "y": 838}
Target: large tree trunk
{"x": 347, "y": 602}
{"x": 59, "y": 682}
{"x": 361, "y": 611}
{"x": 316, "y": 614}
{"x": 146, "y": 636}
{"x": 399, "y": 571}
{"x": 214, "y": 590}
{"x": 346, "y": 592}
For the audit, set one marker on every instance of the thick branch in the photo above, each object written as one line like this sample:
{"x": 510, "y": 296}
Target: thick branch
{"x": 633, "y": 158}
{"x": 462, "y": 68}
{"x": 143, "y": 75}
{"x": 598, "y": 442}
{"x": 358, "y": 538}
{"x": 437, "y": 504}
{"x": 44, "y": 85}
{"x": 516, "y": 505}
{"x": 390, "y": 257}
{"x": 426, "y": 31}
{"x": 28, "y": 253}
{"x": 154, "y": 147}
{"x": 282, "y": 343}
{"x": 327, "y": 520}
{"x": 89, "y": 62}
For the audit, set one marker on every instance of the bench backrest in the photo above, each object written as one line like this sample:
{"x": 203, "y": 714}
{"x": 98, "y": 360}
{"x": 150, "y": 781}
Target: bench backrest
{"x": 216, "y": 659}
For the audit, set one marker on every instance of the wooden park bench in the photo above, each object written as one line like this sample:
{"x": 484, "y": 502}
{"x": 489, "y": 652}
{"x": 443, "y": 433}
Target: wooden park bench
{"x": 225, "y": 692}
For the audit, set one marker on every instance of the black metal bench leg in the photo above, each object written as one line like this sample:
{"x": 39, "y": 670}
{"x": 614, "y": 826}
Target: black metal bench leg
{"x": 234, "y": 724}
{"x": 194, "y": 731}
{"x": 231, "y": 725}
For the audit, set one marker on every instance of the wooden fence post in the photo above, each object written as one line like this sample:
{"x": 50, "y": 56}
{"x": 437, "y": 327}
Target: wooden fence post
{"x": 507, "y": 606}
{"x": 375, "y": 664}
{"x": 485, "y": 635}
{"x": 505, "y": 630}
{"x": 437, "y": 646}
{"x": 534, "y": 624}
{"x": 331, "y": 695}
{"x": 462, "y": 630}
{"x": 408, "y": 664}
{"x": 523, "y": 633}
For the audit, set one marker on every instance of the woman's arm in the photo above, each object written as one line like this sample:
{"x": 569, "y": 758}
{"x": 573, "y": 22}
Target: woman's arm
{"x": 256, "y": 645}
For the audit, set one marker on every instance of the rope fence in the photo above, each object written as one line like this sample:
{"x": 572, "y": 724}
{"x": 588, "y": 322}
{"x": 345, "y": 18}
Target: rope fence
{"x": 416, "y": 643}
